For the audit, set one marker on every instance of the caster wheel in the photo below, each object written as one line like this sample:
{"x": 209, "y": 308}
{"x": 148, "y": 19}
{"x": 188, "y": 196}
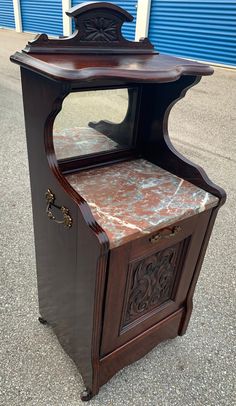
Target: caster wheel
{"x": 86, "y": 395}
{"x": 42, "y": 321}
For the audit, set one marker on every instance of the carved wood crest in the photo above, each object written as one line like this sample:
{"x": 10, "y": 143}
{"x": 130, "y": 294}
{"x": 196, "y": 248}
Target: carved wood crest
{"x": 98, "y": 28}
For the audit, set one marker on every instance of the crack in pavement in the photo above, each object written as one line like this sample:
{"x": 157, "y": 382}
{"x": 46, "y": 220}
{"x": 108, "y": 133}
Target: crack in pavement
{"x": 178, "y": 141}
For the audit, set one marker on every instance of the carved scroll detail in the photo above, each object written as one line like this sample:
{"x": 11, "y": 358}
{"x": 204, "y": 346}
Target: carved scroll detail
{"x": 152, "y": 282}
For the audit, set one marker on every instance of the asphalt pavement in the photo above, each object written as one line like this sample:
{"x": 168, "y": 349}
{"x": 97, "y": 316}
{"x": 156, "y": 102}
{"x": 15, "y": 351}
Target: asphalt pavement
{"x": 193, "y": 370}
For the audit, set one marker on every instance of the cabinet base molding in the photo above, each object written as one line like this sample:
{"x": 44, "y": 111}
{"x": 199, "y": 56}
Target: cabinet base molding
{"x": 139, "y": 346}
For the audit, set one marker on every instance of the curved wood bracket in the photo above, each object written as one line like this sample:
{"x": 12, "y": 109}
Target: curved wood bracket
{"x": 155, "y": 143}
{"x": 98, "y": 27}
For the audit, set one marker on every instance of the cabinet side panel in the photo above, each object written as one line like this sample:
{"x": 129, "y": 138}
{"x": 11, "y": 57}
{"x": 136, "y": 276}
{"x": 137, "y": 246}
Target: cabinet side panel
{"x": 67, "y": 258}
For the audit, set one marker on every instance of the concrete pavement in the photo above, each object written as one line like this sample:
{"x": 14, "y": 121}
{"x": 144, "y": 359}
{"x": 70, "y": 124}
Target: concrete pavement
{"x": 193, "y": 370}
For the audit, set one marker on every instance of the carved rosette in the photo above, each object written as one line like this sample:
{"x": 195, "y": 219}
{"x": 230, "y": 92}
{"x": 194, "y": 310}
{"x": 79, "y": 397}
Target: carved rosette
{"x": 152, "y": 281}
{"x": 100, "y": 29}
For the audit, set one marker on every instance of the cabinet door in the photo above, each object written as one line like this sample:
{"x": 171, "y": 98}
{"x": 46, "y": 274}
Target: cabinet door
{"x": 149, "y": 278}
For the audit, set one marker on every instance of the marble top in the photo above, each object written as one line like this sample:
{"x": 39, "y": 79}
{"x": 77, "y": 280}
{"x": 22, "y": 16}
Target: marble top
{"x": 130, "y": 199}
{"x": 79, "y": 141}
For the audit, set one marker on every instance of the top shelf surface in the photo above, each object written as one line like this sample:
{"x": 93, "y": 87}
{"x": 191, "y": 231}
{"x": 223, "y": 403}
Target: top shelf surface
{"x": 82, "y": 67}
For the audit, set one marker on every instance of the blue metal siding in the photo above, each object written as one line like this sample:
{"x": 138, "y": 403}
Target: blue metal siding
{"x": 7, "y": 18}
{"x": 203, "y": 30}
{"x": 42, "y": 16}
{"x": 130, "y": 6}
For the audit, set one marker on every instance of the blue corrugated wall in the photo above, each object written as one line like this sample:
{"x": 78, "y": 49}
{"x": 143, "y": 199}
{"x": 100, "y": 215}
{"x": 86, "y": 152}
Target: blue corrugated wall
{"x": 7, "y": 18}
{"x": 42, "y": 16}
{"x": 203, "y": 30}
{"x": 130, "y": 6}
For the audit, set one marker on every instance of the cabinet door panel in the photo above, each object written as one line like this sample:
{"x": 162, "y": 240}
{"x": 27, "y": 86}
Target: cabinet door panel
{"x": 147, "y": 282}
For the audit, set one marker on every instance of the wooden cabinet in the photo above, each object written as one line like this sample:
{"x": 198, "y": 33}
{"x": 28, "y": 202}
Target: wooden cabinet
{"x": 121, "y": 219}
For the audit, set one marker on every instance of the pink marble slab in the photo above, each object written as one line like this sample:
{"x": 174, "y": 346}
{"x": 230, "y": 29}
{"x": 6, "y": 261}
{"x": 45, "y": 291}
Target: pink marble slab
{"x": 80, "y": 141}
{"x": 136, "y": 197}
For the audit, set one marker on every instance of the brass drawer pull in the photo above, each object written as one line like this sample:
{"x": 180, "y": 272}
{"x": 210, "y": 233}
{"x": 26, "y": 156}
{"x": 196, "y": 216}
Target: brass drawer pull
{"x": 67, "y": 220}
{"x": 175, "y": 230}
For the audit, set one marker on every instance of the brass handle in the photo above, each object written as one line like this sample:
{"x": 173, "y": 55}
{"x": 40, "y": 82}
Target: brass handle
{"x": 67, "y": 220}
{"x": 175, "y": 230}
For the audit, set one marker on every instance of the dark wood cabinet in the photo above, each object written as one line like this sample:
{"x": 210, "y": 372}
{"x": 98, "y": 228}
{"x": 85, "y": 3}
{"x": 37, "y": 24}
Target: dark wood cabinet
{"x": 121, "y": 219}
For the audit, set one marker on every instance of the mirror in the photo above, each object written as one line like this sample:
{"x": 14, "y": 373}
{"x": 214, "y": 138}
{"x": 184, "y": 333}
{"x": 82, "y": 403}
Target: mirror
{"x": 93, "y": 122}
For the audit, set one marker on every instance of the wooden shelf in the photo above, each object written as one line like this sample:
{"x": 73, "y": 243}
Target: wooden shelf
{"x": 148, "y": 68}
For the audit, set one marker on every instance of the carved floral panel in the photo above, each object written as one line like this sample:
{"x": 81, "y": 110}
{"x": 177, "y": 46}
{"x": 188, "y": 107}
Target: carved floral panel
{"x": 100, "y": 29}
{"x": 151, "y": 282}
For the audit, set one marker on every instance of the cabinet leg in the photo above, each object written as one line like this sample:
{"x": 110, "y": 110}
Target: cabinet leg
{"x": 42, "y": 321}
{"x": 86, "y": 395}
{"x": 186, "y": 318}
